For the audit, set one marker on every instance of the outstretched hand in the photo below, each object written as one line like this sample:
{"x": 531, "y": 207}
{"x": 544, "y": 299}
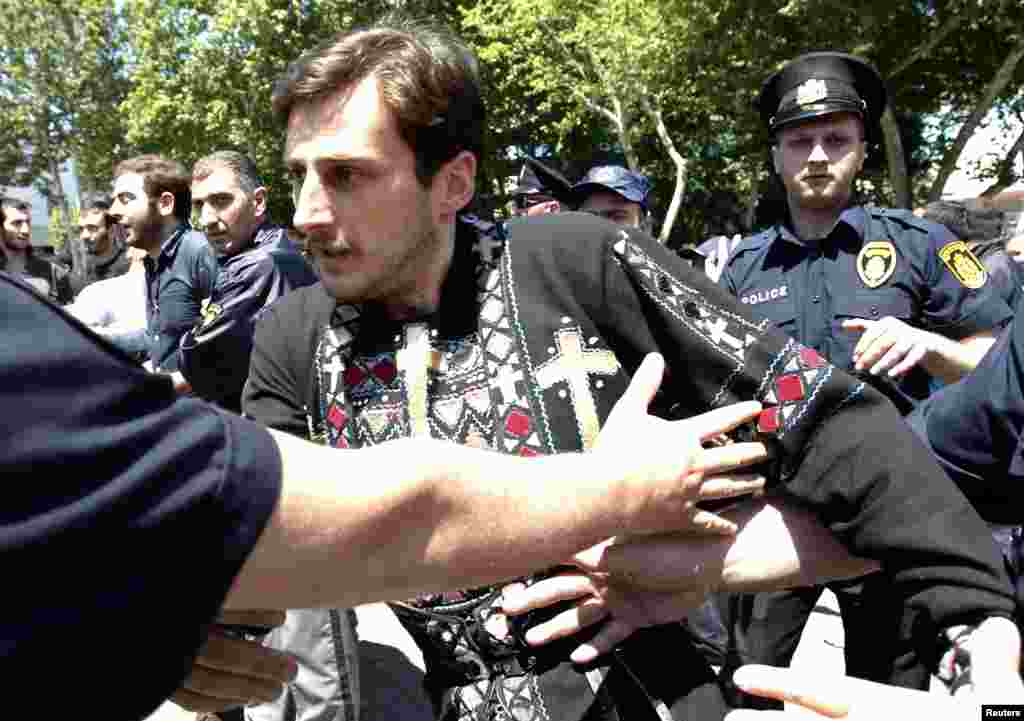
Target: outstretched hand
{"x": 888, "y": 345}
{"x": 842, "y": 697}
{"x": 664, "y": 452}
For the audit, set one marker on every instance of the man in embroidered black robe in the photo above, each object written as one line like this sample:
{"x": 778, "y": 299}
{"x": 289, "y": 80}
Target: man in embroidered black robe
{"x": 422, "y": 326}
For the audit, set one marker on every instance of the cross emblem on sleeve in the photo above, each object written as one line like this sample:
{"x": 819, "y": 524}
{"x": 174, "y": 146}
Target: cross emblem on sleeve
{"x": 574, "y": 364}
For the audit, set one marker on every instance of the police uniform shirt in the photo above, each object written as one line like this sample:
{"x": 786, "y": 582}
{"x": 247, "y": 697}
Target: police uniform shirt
{"x": 127, "y": 514}
{"x": 976, "y": 430}
{"x": 177, "y": 282}
{"x": 874, "y": 263}
{"x": 214, "y": 355}
{"x": 535, "y": 338}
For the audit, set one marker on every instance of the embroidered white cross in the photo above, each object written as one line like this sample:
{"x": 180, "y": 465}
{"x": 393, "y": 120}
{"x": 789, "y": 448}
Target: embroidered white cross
{"x": 574, "y": 364}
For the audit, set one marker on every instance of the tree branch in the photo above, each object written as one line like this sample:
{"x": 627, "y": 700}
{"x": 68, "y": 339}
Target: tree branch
{"x": 995, "y": 86}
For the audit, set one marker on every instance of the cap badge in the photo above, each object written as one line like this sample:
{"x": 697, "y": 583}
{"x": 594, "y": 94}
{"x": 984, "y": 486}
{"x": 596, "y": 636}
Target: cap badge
{"x": 811, "y": 91}
{"x": 876, "y": 262}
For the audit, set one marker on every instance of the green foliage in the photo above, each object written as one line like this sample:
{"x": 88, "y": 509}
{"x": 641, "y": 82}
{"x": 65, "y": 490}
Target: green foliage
{"x": 61, "y": 228}
{"x": 100, "y": 80}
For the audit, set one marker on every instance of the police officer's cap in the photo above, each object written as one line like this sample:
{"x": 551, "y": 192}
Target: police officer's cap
{"x": 630, "y": 185}
{"x": 819, "y": 84}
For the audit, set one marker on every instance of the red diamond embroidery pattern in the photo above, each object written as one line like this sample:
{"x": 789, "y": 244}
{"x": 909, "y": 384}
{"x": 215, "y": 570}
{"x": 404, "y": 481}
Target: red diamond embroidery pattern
{"x": 528, "y": 452}
{"x": 337, "y": 417}
{"x": 789, "y": 388}
{"x": 354, "y": 376}
{"x": 811, "y": 359}
{"x": 768, "y": 420}
{"x": 385, "y": 371}
{"x": 518, "y": 424}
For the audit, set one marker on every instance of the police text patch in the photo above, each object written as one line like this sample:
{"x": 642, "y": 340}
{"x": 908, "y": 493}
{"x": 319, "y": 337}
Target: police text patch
{"x": 761, "y": 296}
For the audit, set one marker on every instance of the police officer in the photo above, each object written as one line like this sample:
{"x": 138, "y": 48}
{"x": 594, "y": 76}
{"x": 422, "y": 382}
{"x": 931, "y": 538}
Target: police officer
{"x": 615, "y": 193}
{"x": 895, "y": 298}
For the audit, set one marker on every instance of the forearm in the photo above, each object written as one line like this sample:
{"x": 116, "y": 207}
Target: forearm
{"x": 950, "y": 360}
{"x": 417, "y": 515}
{"x": 780, "y": 546}
{"x": 777, "y": 546}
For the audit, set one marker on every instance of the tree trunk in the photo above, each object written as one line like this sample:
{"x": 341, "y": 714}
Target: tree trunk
{"x": 681, "y": 168}
{"x": 996, "y": 85}
{"x": 623, "y": 126}
{"x": 896, "y": 160}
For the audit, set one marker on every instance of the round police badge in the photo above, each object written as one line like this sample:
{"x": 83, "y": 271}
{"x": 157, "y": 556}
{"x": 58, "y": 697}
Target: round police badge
{"x": 963, "y": 264}
{"x": 876, "y": 262}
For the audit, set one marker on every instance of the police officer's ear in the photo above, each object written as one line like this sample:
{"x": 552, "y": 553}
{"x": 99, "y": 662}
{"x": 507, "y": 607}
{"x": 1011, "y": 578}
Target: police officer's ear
{"x": 454, "y": 185}
{"x": 776, "y": 163}
{"x": 259, "y": 201}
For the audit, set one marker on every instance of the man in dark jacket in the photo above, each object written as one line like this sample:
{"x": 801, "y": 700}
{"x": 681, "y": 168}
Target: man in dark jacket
{"x": 257, "y": 265}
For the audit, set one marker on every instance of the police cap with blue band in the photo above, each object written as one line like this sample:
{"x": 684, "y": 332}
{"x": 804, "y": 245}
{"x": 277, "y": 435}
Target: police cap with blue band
{"x": 823, "y": 83}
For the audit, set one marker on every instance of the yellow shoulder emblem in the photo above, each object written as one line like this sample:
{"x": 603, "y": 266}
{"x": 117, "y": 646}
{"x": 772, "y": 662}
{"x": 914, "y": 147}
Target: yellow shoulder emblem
{"x": 209, "y": 312}
{"x": 876, "y": 262}
{"x": 963, "y": 264}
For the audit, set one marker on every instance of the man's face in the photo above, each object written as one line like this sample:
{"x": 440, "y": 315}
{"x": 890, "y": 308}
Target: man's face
{"x": 819, "y": 159}
{"x": 133, "y": 210}
{"x": 227, "y": 214}
{"x": 614, "y": 207}
{"x": 94, "y": 232}
{"x": 17, "y": 228}
{"x": 371, "y": 227}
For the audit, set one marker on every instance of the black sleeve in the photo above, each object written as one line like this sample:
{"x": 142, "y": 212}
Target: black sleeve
{"x": 843, "y": 450}
{"x": 976, "y": 430}
{"x": 276, "y": 392}
{"x": 128, "y": 514}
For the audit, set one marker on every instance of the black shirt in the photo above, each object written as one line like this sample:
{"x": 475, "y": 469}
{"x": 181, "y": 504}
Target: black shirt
{"x": 214, "y": 355}
{"x": 177, "y": 282}
{"x": 127, "y": 515}
{"x": 807, "y": 290}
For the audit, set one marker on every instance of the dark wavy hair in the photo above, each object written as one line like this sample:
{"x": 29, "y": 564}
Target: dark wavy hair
{"x": 428, "y": 79}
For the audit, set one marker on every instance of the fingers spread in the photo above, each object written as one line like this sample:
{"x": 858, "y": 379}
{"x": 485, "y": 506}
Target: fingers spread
{"x": 611, "y": 635}
{"x": 562, "y": 587}
{"x": 789, "y": 685}
{"x": 573, "y": 620}
{"x": 721, "y": 420}
{"x": 644, "y": 384}
{"x": 731, "y": 486}
{"x": 728, "y": 458}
